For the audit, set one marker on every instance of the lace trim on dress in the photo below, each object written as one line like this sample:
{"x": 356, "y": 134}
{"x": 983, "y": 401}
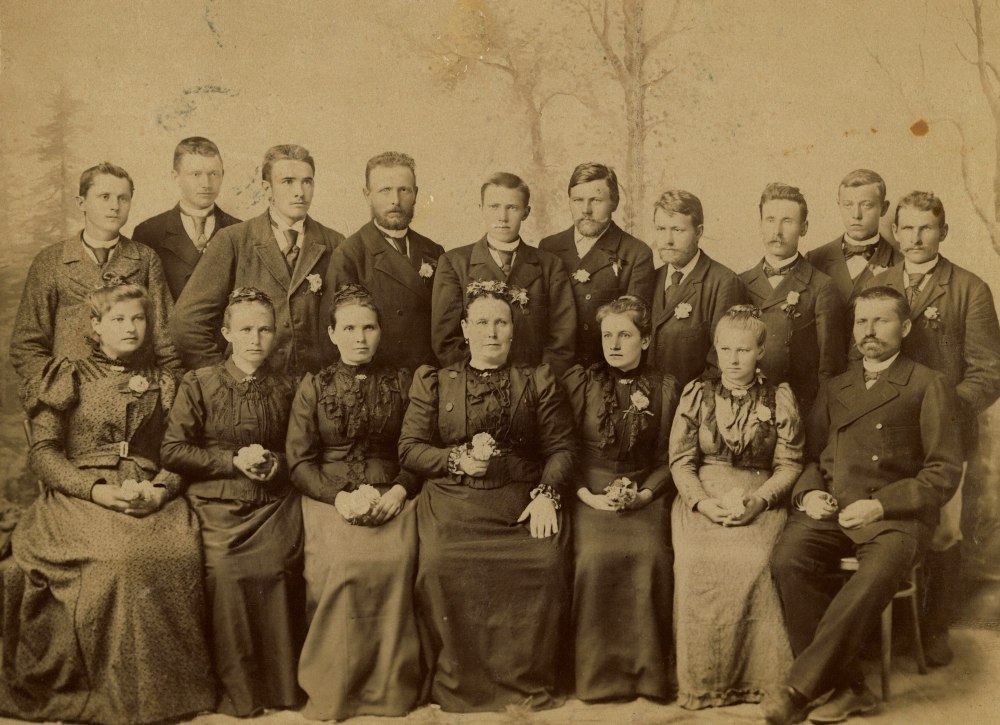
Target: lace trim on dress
{"x": 634, "y": 420}
{"x": 740, "y": 418}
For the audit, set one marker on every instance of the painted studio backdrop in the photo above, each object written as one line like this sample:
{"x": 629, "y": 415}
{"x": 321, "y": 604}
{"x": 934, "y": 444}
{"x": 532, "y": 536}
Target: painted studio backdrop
{"x": 719, "y": 98}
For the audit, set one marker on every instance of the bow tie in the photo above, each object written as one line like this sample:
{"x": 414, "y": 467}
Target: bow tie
{"x": 854, "y": 250}
{"x": 770, "y": 271}
{"x": 871, "y": 375}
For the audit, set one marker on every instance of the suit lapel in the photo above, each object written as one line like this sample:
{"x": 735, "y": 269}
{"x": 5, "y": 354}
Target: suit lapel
{"x": 759, "y": 287}
{"x": 267, "y": 251}
{"x": 527, "y": 266}
{"x": 937, "y": 287}
{"x": 881, "y": 261}
{"x": 79, "y": 268}
{"x": 481, "y": 264}
{"x": 393, "y": 264}
{"x": 795, "y": 281}
{"x": 126, "y": 261}
{"x": 312, "y": 250}
{"x": 858, "y": 400}
{"x": 690, "y": 287}
{"x": 603, "y": 251}
{"x": 177, "y": 240}
{"x": 564, "y": 247}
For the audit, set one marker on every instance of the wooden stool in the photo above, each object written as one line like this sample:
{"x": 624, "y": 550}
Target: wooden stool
{"x": 908, "y": 589}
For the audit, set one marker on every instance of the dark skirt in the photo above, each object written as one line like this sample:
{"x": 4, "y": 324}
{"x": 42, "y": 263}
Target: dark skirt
{"x": 103, "y": 615}
{"x": 623, "y": 589}
{"x": 253, "y": 578}
{"x": 362, "y": 652}
{"x": 490, "y": 598}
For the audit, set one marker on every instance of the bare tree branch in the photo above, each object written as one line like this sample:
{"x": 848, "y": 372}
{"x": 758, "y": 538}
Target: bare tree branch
{"x": 665, "y": 32}
{"x": 659, "y": 77}
{"x": 545, "y": 99}
{"x": 981, "y": 210}
{"x": 961, "y": 52}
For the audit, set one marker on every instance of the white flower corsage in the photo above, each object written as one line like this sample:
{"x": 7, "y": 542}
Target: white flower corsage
{"x": 315, "y": 283}
{"x": 616, "y": 264}
{"x": 138, "y": 384}
{"x": 682, "y": 311}
{"x": 519, "y": 296}
{"x": 426, "y": 270}
{"x": 621, "y": 493}
{"x": 581, "y": 276}
{"x": 931, "y": 313}
{"x": 482, "y": 447}
{"x": 763, "y": 413}
{"x": 356, "y": 506}
{"x": 791, "y": 300}
{"x": 254, "y": 457}
{"x": 640, "y": 403}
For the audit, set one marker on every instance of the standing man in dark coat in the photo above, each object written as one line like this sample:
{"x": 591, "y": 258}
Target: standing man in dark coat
{"x": 283, "y": 252}
{"x": 800, "y": 306}
{"x": 544, "y": 311}
{"x": 954, "y": 331}
{"x": 691, "y": 293}
{"x": 883, "y": 454}
{"x": 603, "y": 261}
{"x": 180, "y": 235}
{"x": 861, "y": 252}
{"x": 395, "y": 263}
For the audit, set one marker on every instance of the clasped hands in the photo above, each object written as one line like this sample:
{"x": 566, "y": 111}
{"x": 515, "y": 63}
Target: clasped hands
{"x": 113, "y": 498}
{"x": 821, "y": 506}
{"x": 540, "y": 513}
{"x": 600, "y": 501}
{"x": 261, "y": 472}
{"x": 713, "y": 509}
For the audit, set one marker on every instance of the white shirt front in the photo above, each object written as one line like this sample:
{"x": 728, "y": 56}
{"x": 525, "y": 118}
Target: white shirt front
{"x": 189, "y": 226}
{"x": 877, "y": 367}
{"x": 585, "y": 244}
{"x": 493, "y": 246}
{"x": 924, "y": 268}
{"x": 98, "y": 244}
{"x": 856, "y": 265}
{"x": 278, "y": 227}
{"x": 685, "y": 270}
{"x": 395, "y": 234}
{"x": 775, "y": 280}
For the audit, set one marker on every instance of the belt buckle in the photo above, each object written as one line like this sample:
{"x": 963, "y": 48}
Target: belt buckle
{"x": 123, "y": 449}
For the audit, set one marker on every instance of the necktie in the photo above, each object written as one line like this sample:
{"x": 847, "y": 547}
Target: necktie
{"x": 675, "y": 278}
{"x": 505, "y": 259}
{"x": 399, "y": 243}
{"x": 854, "y": 250}
{"x": 200, "y": 240}
{"x": 102, "y": 253}
{"x": 770, "y": 271}
{"x": 292, "y": 251}
{"x": 915, "y": 279}
{"x": 870, "y": 377}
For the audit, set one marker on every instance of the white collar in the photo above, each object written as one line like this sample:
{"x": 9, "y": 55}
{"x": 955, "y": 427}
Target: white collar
{"x": 878, "y": 367}
{"x": 686, "y": 269}
{"x": 781, "y": 263}
{"x": 922, "y": 268}
{"x": 203, "y": 213}
{"x": 282, "y": 224}
{"x": 863, "y": 243}
{"x": 99, "y": 244}
{"x": 394, "y": 233}
{"x": 503, "y": 246}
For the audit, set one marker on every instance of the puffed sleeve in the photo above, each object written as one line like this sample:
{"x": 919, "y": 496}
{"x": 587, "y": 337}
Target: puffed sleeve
{"x": 54, "y": 388}
{"x": 47, "y": 457}
{"x": 304, "y": 446}
{"x": 659, "y": 477}
{"x": 420, "y": 447}
{"x": 574, "y": 382}
{"x": 182, "y": 450}
{"x": 685, "y": 453}
{"x": 407, "y": 479}
{"x": 787, "y": 461}
{"x": 555, "y": 430}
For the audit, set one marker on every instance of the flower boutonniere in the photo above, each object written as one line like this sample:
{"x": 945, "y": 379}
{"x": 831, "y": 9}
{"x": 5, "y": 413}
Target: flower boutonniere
{"x": 763, "y": 413}
{"x": 426, "y": 270}
{"x": 111, "y": 279}
{"x": 519, "y": 296}
{"x": 315, "y": 283}
{"x": 581, "y": 276}
{"x": 640, "y": 404}
{"x": 138, "y": 384}
{"x": 877, "y": 269}
{"x": 790, "y": 305}
{"x": 616, "y": 264}
{"x": 931, "y": 317}
{"x": 682, "y": 311}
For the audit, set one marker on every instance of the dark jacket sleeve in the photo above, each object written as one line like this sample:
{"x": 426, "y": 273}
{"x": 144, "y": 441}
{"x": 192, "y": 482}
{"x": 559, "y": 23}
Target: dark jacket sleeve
{"x": 831, "y": 331}
{"x": 340, "y": 270}
{"x": 447, "y": 304}
{"x": 32, "y": 338}
{"x": 420, "y": 448}
{"x": 561, "y": 346}
{"x": 643, "y": 277}
{"x": 407, "y": 479}
{"x": 660, "y": 481}
{"x": 729, "y": 291}
{"x": 304, "y": 447}
{"x": 197, "y": 316}
{"x": 980, "y": 385}
{"x": 816, "y": 438}
{"x": 163, "y": 304}
{"x": 182, "y": 450}
{"x": 556, "y": 441}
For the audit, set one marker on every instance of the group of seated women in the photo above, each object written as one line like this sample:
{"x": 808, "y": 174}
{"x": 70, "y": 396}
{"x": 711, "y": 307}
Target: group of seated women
{"x": 474, "y": 536}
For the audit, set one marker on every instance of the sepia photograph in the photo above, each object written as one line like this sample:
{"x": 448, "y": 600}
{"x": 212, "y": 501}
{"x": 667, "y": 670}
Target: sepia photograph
{"x": 501, "y": 362}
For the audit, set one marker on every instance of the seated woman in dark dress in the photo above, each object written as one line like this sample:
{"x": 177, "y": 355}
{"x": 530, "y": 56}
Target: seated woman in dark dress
{"x": 103, "y": 610}
{"x": 362, "y": 652}
{"x": 226, "y": 436}
{"x": 492, "y": 573}
{"x": 623, "y": 580}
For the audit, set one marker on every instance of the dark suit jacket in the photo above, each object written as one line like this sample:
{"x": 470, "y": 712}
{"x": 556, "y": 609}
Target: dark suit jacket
{"x": 53, "y": 319}
{"x": 403, "y": 295}
{"x": 963, "y": 342}
{"x": 544, "y": 329}
{"x": 829, "y": 259}
{"x": 897, "y": 442}
{"x": 807, "y": 346}
{"x": 635, "y": 276}
{"x": 682, "y": 346}
{"x": 166, "y": 235}
{"x": 247, "y": 255}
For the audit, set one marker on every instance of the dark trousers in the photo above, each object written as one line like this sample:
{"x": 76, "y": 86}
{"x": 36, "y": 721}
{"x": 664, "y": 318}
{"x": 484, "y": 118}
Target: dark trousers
{"x": 828, "y": 619}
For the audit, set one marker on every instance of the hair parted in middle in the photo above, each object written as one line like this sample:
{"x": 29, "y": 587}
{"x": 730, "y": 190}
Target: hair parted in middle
{"x": 678, "y": 201}
{"x": 353, "y": 293}
{"x": 389, "y": 159}
{"x": 506, "y": 180}
{"x": 776, "y": 191}
{"x": 285, "y": 152}
{"x": 243, "y": 296}
{"x": 487, "y": 289}
{"x": 743, "y": 317}
{"x": 104, "y": 298}
{"x": 635, "y": 308}
{"x": 593, "y": 171}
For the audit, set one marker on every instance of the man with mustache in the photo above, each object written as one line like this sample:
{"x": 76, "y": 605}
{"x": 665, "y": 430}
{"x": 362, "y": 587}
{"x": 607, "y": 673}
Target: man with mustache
{"x": 954, "y": 331}
{"x": 54, "y": 315}
{"x": 543, "y": 308}
{"x": 180, "y": 236}
{"x": 603, "y": 261}
{"x": 392, "y": 261}
{"x": 283, "y": 252}
{"x": 883, "y": 454}
{"x": 800, "y": 306}
{"x": 861, "y": 252}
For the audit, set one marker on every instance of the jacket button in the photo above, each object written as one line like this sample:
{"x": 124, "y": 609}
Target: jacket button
{"x": 399, "y": 312}
{"x": 285, "y": 325}
{"x": 587, "y": 296}
{"x": 878, "y": 426}
{"x": 452, "y": 375}
{"x": 586, "y": 326}
{"x": 449, "y": 407}
{"x": 874, "y": 458}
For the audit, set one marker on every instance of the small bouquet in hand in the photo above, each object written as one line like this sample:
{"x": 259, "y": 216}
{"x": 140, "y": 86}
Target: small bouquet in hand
{"x": 732, "y": 501}
{"x": 482, "y": 447}
{"x": 254, "y": 457}
{"x": 621, "y": 493}
{"x": 137, "y": 490}
{"x": 356, "y": 506}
